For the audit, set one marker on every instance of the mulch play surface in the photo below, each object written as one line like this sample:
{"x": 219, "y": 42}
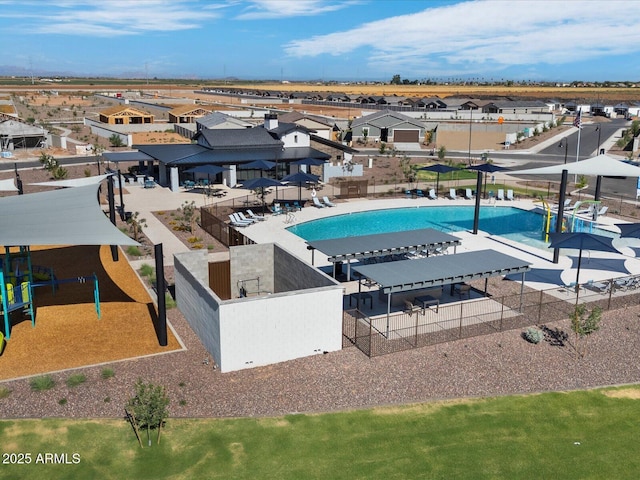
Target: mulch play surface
{"x": 68, "y": 333}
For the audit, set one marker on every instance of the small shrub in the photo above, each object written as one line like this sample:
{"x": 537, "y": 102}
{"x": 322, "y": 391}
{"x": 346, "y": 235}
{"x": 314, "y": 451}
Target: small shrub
{"x": 210, "y": 247}
{"x": 182, "y": 403}
{"x": 40, "y": 384}
{"x": 181, "y": 384}
{"x": 75, "y": 380}
{"x": 107, "y": 399}
{"x": 169, "y": 302}
{"x": 194, "y": 240}
{"x": 62, "y": 401}
{"x": 133, "y": 251}
{"x": 4, "y": 392}
{"x": 87, "y": 172}
{"x": 107, "y": 373}
{"x": 146, "y": 270}
{"x": 197, "y": 246}
{"x": 533, "y": 335}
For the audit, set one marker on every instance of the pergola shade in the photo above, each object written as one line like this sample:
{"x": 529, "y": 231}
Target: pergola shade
{"x": 70, "y": 216}
{"x": 406, "y": 275}
{"x": 366, "y": 246}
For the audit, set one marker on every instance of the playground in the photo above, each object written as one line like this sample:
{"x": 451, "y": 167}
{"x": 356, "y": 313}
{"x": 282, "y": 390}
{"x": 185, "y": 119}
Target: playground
{"x": 96, "y": 310}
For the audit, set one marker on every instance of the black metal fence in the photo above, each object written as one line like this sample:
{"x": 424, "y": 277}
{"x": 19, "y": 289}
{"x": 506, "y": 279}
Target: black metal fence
{"x": 402, "y": 331}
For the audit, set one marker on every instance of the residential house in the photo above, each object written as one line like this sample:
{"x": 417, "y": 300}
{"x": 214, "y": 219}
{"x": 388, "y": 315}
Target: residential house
{"x": 388, "y": 126}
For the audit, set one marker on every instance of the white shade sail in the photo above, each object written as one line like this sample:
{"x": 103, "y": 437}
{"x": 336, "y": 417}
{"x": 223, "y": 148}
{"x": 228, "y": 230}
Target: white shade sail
{"x": 600, "y": 165}
{"x": 73, "y": 182}
{"x": 69, "y": 216}
{"x": 8, "y": 185}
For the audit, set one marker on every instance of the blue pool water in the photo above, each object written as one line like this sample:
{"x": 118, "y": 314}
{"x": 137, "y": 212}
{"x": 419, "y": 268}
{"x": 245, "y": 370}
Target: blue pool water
{"x": 513, "y": 223}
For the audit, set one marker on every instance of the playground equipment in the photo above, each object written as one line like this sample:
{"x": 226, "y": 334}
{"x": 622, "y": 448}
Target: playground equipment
{"x": 17, "y": 285}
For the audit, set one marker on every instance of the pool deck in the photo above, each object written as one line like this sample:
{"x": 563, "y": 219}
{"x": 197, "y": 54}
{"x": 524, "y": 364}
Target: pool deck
{"x": 596, "y": 266}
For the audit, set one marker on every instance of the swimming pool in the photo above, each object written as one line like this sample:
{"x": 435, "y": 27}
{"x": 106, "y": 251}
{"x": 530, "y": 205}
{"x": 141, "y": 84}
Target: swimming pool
{"x": 519, "y": 225}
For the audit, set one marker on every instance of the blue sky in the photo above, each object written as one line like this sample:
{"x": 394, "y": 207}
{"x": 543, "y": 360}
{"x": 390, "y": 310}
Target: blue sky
{"x": 323, "y": 39}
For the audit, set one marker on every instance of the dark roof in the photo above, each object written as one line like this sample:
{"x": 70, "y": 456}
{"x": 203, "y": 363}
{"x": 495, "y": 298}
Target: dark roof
{"x": 405, "y": 275}
{"x": 366, "y": 246}
{"x": 240, "y": 138}
{"x": 126, "y": 156}
{"x": 298, "y": 153}
{"x": 167, "y": 153}
{"x": 284, "y": 128}
{"x": 227, "y": 157}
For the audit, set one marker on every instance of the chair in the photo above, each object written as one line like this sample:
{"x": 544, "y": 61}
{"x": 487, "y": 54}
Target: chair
{"x": 255, "y": 217}
{"x": 297, "y": 206}
{"x": 500, "y": 194}
{"x": 510, "y": 195}
{"x": 316, "y": 202}
{"x": 408, "y": 193}
{"x": 432, "y": 194}
{"x": 328, "y": 202}
{"x": 241, "y": 216}
{"x": 276, "y": 209}
{"x": 410, "y": 308}
{"x": 419, "y": 193}
{"x": 602, "y": 211}
{"x": 236, "y": 222}
{"x": 452, "y": 194}
{"x": 463, "y": 289}
{"x": 468, "y": 194}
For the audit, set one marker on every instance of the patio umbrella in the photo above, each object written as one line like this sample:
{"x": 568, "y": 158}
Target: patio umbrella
{"x": 261, "y": 183}
{"x": 299, "y": 178}
{"x": 259, "y": 165}
{"x": 314, "y": 162}
{"x": 487, "y": 168}
{"x": 581, "y": 241}
{"x": 438, "y": 168}
{"x": 208, "y": 169}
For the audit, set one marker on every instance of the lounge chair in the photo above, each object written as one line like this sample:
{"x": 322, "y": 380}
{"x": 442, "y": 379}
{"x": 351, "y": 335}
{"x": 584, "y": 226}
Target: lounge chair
{"x": 602, "y": 211}
{"x": 432, "y": 194}
{"x": 236, "y": 222}
{"x": 419, "y": 193}
{"x": 316, "y": 202}
{"x": 255, "y": 217}
{"x": 510, "y": 195}
{"x": 297, "y": 205}
{"x": 276, "y": 209}
{"x": 242, "y": 217}
{"x": 408, "y": 193}
{"x": 468, "y": 194}
{"x": 328, "y": 202}
{"x": 500, "y": 194}
{"x": 452, "y": 194}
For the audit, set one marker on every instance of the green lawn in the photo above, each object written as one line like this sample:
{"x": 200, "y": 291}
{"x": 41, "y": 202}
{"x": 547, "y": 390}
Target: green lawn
{"x": 584, "y": 435}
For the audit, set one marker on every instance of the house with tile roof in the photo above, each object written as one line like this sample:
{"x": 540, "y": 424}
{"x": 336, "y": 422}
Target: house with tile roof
{"x": 388, "y": 126}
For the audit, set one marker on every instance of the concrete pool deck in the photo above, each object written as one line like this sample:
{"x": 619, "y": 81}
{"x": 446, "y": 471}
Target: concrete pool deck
{"x": 596, "y": 266}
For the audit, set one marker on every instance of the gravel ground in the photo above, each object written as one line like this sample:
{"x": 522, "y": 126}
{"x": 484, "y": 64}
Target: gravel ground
{"x": 491, "y": 365}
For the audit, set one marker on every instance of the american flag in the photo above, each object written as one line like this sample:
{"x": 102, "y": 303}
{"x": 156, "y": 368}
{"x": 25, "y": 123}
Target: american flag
{"x": 577, "y": 122}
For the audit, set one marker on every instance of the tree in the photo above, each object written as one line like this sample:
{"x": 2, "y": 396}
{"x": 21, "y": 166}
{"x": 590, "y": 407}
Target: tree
{"x": 408, "y": 170}
{"x": 583, "y": 327}
{"x": 442, "y": 153}
{"x": 396, "y": 80}
{"x": 187, "y": 216}
{"x": 136, "y": 224}
{"x": 115, "y": 140}
{"x": 48, "y": 162}
{"x": 148, "y": 408}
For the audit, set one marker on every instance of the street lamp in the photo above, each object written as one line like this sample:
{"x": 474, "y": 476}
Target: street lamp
{"x": 566, "y": 149}
{"x": 599, "y": 130}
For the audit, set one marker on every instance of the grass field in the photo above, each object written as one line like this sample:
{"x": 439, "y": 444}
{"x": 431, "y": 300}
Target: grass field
{"x": 585, "y": 435}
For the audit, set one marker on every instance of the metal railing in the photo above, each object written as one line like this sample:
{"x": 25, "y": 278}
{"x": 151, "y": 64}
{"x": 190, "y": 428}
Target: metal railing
{"x": 402, "y": 331}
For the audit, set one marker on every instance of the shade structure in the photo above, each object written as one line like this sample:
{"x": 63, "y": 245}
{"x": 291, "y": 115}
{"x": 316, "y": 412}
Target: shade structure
{"x": 595, "y": 166}
{"x": 582, "y": 241}
{"x": 74, "y": 182}
{"x": 261, "y": 183}
{"x": 8, "y": 185}
{"x": 313, "y": 162}
{"x": 438, "y": 168}
{"x": 629, "y": 230}
{"x": 487, "y": 168}
{"x": 299, "y": 179}
{"x": 259, "y": 165}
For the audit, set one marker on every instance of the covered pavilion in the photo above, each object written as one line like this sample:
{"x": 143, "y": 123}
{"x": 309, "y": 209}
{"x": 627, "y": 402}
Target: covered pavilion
{"x": 382, "y": 244}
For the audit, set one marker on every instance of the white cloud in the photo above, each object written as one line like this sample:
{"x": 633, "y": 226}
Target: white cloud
{"x": 484, "y": 35}
{"x": 110, "y": 18}
{"x": 271, "y": 9}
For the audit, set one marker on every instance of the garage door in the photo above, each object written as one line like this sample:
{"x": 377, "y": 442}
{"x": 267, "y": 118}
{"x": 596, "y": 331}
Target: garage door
{"x": 406, "y": 136}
